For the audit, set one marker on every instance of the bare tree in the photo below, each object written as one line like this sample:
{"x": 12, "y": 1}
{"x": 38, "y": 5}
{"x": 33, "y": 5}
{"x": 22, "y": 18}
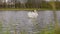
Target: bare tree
{"x": 23, "y": 3}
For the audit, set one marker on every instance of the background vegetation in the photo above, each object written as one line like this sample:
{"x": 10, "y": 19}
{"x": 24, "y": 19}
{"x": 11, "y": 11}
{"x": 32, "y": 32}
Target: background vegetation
{"x": 42, "y": 5}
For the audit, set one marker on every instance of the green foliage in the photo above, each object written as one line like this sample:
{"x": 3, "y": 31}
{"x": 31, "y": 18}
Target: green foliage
{"x": 23, "y": 32}
{"x": 45, "y": 32}
{"x": 58, "y": 5}
{"x": 1, "y": 27}
{"x": 57, "y": 31}
{"x": 7, "y": 32}
{"x": 42, "y": 5}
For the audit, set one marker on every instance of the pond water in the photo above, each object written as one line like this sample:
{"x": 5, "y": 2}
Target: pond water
{"x": 18, "y": 21}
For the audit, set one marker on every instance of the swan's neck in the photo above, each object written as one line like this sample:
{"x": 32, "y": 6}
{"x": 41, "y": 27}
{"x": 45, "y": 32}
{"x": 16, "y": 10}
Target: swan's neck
{"x": 35, "y": 11}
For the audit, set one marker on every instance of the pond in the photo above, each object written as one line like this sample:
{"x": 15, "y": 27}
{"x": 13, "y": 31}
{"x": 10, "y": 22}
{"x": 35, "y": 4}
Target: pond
{"x": 18, "y": 21}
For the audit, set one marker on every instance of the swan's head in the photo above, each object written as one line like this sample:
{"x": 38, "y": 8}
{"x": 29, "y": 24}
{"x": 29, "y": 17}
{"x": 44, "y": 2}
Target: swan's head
{"x": 35, "y": 10}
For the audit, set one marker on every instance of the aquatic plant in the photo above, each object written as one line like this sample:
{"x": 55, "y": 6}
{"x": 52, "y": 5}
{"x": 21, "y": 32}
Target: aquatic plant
{"x": 7, "y": 32}
{"x": 23, "y": 32}
{"x": 57, "y": 31}
{"x": 1, "y": 28}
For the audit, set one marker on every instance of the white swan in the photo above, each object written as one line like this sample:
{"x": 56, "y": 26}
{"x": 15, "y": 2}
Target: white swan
{"x": 33, "y": 14}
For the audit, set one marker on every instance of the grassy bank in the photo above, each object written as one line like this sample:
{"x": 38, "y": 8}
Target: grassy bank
{"x": 24, "y": 9}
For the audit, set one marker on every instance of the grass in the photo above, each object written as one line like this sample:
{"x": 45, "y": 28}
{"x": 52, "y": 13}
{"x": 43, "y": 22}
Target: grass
{"x": 1, "y": 27}
{"x": 25, "y": 9}
{"x": 7, "y": 32}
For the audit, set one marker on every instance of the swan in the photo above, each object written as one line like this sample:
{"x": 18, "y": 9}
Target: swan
{"x": 33, "y": 14}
